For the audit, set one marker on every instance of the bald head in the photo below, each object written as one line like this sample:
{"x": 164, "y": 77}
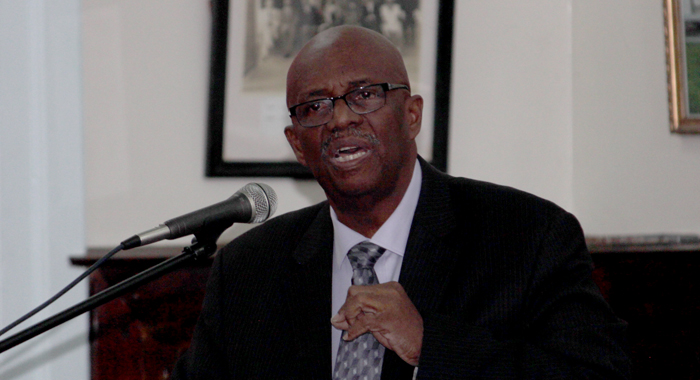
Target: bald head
{"x": 338, "y": 53}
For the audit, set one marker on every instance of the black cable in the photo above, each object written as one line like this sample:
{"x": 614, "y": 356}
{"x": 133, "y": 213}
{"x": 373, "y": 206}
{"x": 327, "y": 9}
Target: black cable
{"x": 63, "y": 291}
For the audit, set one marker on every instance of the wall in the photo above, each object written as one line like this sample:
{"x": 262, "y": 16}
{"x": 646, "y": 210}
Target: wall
{"x": 630, "y": 174}
{"x": 146, "y": 83}
{"x": 511, "y": 96}
{"x": 565, "y": 99}
{"x": 41, "y": 184}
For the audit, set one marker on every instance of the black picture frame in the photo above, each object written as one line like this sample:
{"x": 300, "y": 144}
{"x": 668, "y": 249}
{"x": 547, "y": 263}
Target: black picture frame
{"x": 216, "y": 166}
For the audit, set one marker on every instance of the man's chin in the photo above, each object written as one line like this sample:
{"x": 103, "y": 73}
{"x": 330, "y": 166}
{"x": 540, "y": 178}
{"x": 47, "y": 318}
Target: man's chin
{"x": 357, "y": 181}
{"x": 361, "y": 185}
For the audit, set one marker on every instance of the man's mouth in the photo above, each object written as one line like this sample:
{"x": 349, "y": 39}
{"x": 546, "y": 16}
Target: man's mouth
{"x": 349, "y": 146}
{"x": 349, "y": 153}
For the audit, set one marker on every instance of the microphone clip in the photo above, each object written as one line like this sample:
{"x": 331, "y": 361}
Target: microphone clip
{"x": 204, "y": 243}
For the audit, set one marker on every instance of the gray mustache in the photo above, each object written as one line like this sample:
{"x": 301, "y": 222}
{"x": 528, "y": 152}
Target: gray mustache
{"x": 352, "y": 131}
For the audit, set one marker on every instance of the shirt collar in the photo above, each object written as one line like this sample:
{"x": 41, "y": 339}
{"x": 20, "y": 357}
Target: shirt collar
{"x": 392, "y": 235}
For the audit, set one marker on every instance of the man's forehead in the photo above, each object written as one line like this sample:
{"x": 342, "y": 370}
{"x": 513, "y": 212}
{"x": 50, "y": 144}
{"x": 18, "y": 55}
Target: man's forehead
{"x": 342, "y": 59}
{"x": 332, "y": 78}
{"x": 332, "y": 89}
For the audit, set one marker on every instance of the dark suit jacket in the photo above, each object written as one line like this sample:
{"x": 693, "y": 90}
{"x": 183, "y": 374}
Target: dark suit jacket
{"x": 501, "y": 278}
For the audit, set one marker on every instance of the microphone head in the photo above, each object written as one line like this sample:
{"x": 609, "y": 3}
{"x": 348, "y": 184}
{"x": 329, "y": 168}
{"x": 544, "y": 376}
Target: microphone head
{"x": 263, "y": 199}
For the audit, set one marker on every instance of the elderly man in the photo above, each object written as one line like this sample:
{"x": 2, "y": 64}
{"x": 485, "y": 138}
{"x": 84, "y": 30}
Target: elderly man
{"x": 404, "y": 271}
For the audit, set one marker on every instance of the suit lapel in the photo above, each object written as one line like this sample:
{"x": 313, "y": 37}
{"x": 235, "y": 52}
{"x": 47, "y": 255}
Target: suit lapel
{"x": 429, "y": 257}
{"x": 309, "y": 298}
{"x": 429, "y": 254}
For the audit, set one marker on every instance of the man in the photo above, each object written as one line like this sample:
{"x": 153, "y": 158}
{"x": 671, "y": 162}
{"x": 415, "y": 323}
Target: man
{"x": 492, "y": 282}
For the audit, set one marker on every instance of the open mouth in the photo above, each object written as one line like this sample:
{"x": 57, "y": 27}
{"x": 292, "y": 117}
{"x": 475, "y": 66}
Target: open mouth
{"x": 349, "y": 153}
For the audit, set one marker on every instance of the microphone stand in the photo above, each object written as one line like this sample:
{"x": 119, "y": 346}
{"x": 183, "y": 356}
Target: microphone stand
{"x": 203, "y": 246}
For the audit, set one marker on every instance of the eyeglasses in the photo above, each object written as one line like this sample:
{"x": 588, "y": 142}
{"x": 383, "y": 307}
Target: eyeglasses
{"x": 361, "y": 101}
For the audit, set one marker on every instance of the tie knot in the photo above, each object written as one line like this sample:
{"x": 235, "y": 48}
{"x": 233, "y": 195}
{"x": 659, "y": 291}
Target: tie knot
{"x": 364, "y": 255}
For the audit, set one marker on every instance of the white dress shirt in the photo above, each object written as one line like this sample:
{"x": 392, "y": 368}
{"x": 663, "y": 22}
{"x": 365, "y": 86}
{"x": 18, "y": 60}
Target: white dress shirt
{"x": 392, "y": 235}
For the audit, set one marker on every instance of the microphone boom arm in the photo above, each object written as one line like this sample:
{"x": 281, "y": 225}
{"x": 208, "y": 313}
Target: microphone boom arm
{"x": 254, "y": 203}
{"x": 202, "y": 247}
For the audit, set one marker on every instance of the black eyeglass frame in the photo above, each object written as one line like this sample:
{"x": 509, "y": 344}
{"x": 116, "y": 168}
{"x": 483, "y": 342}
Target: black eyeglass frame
{"x": 386, "y": 87}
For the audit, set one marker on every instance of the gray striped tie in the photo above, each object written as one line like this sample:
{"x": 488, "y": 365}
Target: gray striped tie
{"x": 361, "y": 359}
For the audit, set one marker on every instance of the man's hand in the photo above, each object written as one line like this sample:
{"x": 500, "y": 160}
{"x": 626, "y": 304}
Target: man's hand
{"x": 386, "y": 311}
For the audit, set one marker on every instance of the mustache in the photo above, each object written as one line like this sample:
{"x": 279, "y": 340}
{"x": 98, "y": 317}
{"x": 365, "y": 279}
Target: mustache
{"x": 352, "y": 131}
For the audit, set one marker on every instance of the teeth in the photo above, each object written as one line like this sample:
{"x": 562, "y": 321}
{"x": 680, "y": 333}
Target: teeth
{"x": 341, "y": 150}
{"x": 351, "y": 157}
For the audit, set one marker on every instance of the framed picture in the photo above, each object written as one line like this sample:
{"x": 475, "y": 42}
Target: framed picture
{"x": 683, "y": 62}
{"x": 253, "y": 44}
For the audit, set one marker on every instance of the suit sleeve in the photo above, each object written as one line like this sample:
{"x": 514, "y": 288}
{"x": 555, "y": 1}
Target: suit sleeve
{"x": 203, "y": 359}
{"x": 566, "y": 329}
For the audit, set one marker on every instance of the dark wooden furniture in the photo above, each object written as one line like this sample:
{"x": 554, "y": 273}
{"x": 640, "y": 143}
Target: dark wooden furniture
{"x": 656, "y": 288}
{"x": 140, "y": 335}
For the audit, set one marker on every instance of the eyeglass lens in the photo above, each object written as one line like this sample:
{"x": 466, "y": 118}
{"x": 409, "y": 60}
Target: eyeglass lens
{"x": 361, "y": 101}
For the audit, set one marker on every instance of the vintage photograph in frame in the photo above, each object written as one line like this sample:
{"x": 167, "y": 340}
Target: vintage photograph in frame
{"x": 253, "y": 44}
{"x": 683, "y": 64}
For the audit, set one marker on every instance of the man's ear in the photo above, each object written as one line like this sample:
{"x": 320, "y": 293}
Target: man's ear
{"x": 414, "y": 115}
{"x": 294, "y": 142}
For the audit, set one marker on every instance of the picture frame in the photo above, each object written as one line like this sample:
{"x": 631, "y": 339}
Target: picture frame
{"x": 682, "y": 29}
{"x": 231, "y": 49}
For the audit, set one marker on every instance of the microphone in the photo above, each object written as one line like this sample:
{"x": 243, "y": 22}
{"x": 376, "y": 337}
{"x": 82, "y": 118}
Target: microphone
{"x": 254, "y": 203}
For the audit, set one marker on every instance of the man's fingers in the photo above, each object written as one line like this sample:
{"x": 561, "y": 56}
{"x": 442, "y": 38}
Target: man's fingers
{"x": 385, "y": 311}
{"x": 361, "y": 299}
{"x": 362, "y": 302}
{"x": 354, "y": 331}
{"x": 339, "y": 322}
{"x": 343, "y": 321}
{"x": 362, "y": 324}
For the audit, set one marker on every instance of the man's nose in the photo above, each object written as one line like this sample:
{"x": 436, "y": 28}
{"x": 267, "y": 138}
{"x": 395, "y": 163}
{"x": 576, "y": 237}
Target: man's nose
{"x": 343, "y": 116}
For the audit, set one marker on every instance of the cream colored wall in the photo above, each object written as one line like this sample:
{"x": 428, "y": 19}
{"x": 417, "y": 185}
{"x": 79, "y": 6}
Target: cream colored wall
{"x": 146, "y": 73}
{"x": 511, "y": 96}
{"x": 630, "y": 174}
{"x": 41, "y": 185}
{"x": 562, "y": 98}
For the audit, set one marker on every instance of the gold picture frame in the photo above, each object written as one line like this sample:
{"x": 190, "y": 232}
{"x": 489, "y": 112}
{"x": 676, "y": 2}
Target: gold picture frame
{"x": 682, "y": 19}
